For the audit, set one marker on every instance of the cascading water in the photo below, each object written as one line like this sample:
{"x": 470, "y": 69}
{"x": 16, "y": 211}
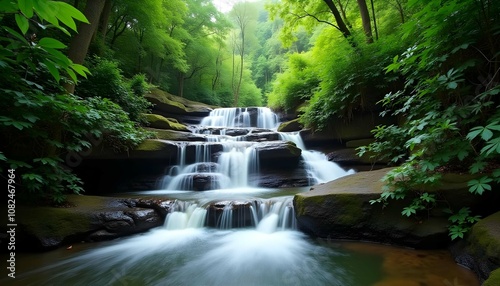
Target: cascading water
{"x": 319, "y": 169}
{"x": 228, "y": 161}
{"x": 240, "y": 117}
{"x": 250, "y": 238}
{"x": 232, "y": 166}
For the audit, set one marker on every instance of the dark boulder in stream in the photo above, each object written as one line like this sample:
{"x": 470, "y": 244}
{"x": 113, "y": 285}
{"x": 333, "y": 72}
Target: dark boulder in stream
{"x": 341, "y": 209}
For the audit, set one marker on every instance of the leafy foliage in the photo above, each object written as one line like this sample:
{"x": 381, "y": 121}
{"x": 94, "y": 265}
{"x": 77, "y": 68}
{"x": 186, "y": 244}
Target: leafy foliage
{"x": 448, "y": 122}
{"x": 40, "y": 124}
{"x": 107, "y": 81}
{"x": 295, "y": 85}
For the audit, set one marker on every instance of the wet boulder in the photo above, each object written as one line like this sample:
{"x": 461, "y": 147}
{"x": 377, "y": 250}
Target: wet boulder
{"x": 85, "y": 218}
{"x": 230, "y": 214}
{"x": 341, "y": 209}
{"x": 290, "y": 126}
{"x": 278, "y": 153}
{"x": 160, "y": 122}
{"x": 262, "y": 136}
{"x": 481, "y": 250}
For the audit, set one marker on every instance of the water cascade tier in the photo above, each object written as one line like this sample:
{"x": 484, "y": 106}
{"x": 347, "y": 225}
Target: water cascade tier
{"x": 228, "y": 224}
{"x": 242, "y": 150}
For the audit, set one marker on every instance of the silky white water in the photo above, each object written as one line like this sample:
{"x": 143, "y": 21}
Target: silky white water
{"x": 238, "y": 160}
{"x": 267, "y": 251}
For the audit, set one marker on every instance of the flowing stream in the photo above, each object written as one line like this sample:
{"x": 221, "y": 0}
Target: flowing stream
{"x": 253, "y": 238}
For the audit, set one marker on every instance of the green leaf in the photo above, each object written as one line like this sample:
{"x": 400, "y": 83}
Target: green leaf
{"x": 22, "y": 23}
{"x": 71, "y": 74}
{"x": 428, "y": 198}
{"x": 408, "y": 211}
{"x": 477, "y": 167}
{"x": 26, "y": 7}
{"x": 33, "y": 177}
{"x": 479, "y": 186}
{"x": 462, "y": 153}
{"x": 47, "y": 42}
{"x": 14, "y": 164}
{"x": 452, "y": 85}
{"x": 54, "y": 71}
{"x": 44, "y": 10}
{"x": 80, "y": 69}
{"x": 46, "y": 161}
{"x": 491, "y": 146}
{"x": 31, "y": 118}
{"x": 17, "y": 35}
{"x": 66, "y": 13}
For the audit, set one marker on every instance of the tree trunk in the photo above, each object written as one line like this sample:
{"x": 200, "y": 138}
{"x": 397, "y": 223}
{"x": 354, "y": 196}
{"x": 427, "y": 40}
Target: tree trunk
{"x": 180, "y": 80}
{"x": 80, "y": 43}
{"x": 374, "y": 21}
{"x": 106, "y": 13}
{"x": 343, "y": 11}
{"x": 401, "y": 11}
{"x": 365, "y": 18}
{"x": 338, "y": 18}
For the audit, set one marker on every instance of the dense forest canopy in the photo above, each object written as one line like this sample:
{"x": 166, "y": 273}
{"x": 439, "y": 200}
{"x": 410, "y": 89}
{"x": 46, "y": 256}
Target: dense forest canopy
{"x": 74, "y": 68}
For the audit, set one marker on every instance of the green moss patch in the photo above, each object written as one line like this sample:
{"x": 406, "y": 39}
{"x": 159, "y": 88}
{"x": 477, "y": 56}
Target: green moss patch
{"x": 484, "y": 239}
{"x": 150, "y": 145}
{"x": 494, "y": 279}
{"x": 173, "y": 135}
{"x": 45, "y": 221}
{"x": 160, "y": 122}
{"x": 175, "y": 104}
{"x": 290, "y": 126}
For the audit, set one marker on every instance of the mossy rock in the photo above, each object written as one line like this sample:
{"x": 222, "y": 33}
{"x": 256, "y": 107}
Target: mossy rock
{"x": 349, "y": 157}
{"x": 46, "y": 227}
{"x": 290, "y": 126}
{"x": 173, "y": 135}
{"x": 168, "y": 103}
{"x": 484, "y": 240}
{"x": 494, "y": 279}
{"x": 342, "y": 209}
{"x": 160, "y": 122}
{"x": 154, "y": 149}
{"x": 150, "y": 145}
{"x": 341, "y": 130}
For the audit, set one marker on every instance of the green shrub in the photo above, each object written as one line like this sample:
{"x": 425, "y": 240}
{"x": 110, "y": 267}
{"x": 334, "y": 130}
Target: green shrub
{"x": 107, "y": 81}
{"x": 138, "y": 85}
{"x": 450, "y": 122}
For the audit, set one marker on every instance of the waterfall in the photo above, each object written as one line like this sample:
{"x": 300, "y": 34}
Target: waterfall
{"x": 241, "y": 117}
{"x": 267, "y": 215}
{"x": 192, "y": 217}
{"x": 319, "y": 169}
{"x": 238, "y": 161}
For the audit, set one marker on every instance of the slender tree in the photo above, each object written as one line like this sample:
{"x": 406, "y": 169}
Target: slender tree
{"x": 374, "y": 20}
{"x": 80, "y": 43}
{"x": 242, "y": 17}
{"x": 365, "y": 18}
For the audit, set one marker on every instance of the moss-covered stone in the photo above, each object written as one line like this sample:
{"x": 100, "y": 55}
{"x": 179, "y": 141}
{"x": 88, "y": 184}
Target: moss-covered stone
{"x": 290, "y": 126}
{"x": 494, "y": 279}
{"x": 45, "y": 227}
{"x": 342, "y": 209}
{"x": 150, "y": 145}
{"x": 173, "y": 135}
{"x": 485, "y": 236}
{"x": 168, "y": 103}
{"x": 160, "y": 122}
{"x": 341, "y": 130}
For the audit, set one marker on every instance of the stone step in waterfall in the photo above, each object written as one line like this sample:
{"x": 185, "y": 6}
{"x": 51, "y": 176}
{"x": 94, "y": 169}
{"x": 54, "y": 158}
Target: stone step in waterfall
{"x": 242, "y": 146}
